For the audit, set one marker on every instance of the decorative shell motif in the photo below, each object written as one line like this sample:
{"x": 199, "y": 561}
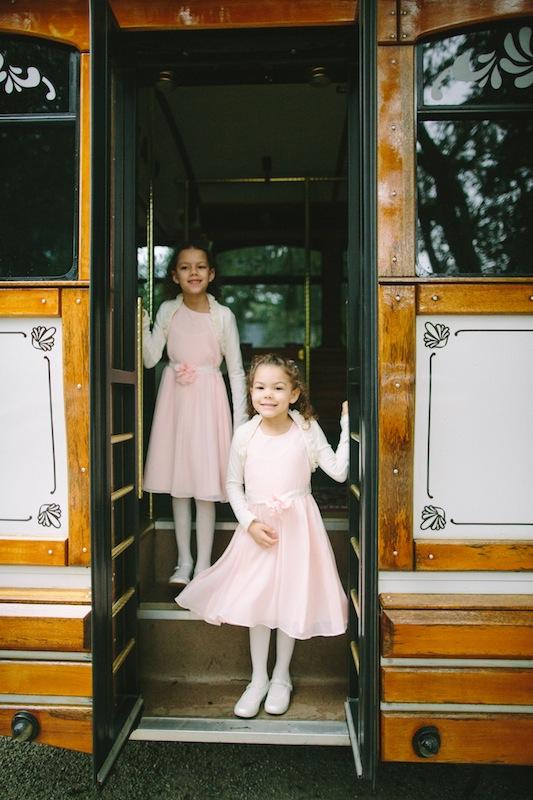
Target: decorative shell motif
{"x": 43, "y": 338}
{"x": 13, "y": 79}
{"x": 49, "y": 514}
{"x": 436, "y": 335}
{"x": 433, "y": 517}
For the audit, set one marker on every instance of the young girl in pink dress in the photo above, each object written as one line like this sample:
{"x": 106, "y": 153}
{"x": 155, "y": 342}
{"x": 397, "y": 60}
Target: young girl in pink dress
{"x": 278, "y": 570}
{"x": 191, "y": 430}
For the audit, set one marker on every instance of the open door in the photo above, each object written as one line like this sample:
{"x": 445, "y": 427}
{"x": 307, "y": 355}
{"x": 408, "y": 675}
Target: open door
{"x": 114, "y": 512}
{"x": 362, "y": 705}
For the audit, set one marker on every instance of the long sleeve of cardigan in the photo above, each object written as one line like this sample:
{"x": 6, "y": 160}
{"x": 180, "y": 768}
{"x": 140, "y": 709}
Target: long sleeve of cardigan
{"x": 235, "y": 484}
{"x": 153, "y": 340}
{"x": 333, "y": 462}
{"x": 237, "y": 382}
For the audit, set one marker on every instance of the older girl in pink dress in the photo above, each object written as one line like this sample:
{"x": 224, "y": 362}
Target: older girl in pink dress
{"x": 191, "y": 430}
{"x": 279, "y": 569}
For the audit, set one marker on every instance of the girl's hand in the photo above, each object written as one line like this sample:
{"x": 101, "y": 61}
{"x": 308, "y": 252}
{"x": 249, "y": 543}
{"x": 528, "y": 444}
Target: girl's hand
{"x": 344, "y": 408}
{"x": 262, "y": 534}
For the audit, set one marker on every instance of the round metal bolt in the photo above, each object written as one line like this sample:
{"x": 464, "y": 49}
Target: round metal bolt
{"x": 83, "y": 549}
{"x": 395, "y": 471}
{"x": 394, "y": 259}
{"x": 394, "y": 552}
{"x": 43, "y": 299}
{"x": 431, "y": 556}
{"x": 78, "y": 300}
{"x": 435, "y": 297}
{"x": 404, "y": 36}
{"x": 393, "y": 127}
{"x": 393, "y": 61}
{"x": 531, "y": 296}
{"x": 404, "y": 13}
{"x": 393, "y": 194}
{"x": 397, "y": 385}
{"x": 393, "y": 13}
{"x": 83, "y": 469}
{"x": 398, "y": 297}
{"x": 392, "y": 36}
{"x": 50, "y": 552}
{"x": 78, "y": 386}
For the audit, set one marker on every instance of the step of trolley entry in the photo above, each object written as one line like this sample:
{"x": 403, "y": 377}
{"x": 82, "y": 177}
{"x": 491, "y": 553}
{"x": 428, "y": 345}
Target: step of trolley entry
{"x": 191, "y": 672}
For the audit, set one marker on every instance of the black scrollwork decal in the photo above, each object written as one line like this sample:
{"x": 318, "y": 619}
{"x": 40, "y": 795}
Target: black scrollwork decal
{"x": 49, "y": 515}
{"x": 43, "y": 338}
{"x": 433, "y": 517}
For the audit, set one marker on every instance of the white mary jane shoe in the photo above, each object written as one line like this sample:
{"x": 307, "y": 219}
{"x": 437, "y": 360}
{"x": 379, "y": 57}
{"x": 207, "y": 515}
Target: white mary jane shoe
{"x": 181, "y": 575}
{"x": 278, "y": 697}
{"x": 250, "y": 701}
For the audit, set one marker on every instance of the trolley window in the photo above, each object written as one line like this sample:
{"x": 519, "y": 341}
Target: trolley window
{"x": 474, "y": 167}
{"x": 38, "y": 159}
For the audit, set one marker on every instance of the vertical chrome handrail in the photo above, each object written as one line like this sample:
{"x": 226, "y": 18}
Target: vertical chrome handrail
{"x": 140, "y": 401}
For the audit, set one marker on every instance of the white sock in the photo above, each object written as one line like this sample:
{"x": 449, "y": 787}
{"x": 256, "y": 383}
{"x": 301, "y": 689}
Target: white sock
{"x": 259, "y": 644}
{"x": 181, "y": 510}
{"x": 284, "y": 650}
{"x": 205, "y": 529}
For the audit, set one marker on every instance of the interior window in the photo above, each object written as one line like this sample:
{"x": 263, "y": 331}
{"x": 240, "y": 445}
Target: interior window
{"x": 38, "y": 157}
{"x": 474, "y": 168}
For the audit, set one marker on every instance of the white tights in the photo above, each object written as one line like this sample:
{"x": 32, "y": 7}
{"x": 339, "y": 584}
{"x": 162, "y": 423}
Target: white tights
{"x": 259, "y": 644}
{"x": 205, "y": 529}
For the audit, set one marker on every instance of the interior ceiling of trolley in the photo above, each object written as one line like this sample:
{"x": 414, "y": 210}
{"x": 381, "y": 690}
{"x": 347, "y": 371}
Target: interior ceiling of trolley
{"x": 225, "y": 132}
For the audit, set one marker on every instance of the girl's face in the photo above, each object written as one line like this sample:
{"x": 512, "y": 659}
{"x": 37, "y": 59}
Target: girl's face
{"x": 192, "y": 272}
{"x": 272, "y": 392}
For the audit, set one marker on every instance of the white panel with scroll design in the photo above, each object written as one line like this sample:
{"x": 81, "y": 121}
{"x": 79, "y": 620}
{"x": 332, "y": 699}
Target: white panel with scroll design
{"x": 473, "y": 472}
{"x": 33, "y": 451}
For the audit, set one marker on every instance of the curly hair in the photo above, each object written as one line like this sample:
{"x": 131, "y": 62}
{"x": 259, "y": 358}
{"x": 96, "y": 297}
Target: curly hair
{"x": 302, "y": 404}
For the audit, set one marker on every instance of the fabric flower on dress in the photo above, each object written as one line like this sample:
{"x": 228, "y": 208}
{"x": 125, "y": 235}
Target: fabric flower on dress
{"x": 185, "y": 373}
{"x": 277, "y": 504}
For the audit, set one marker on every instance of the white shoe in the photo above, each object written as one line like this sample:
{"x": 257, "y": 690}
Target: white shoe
{"x": 278, "y": 697}
{"x": 181, "y": 575}
{"x": 249, "y": 702}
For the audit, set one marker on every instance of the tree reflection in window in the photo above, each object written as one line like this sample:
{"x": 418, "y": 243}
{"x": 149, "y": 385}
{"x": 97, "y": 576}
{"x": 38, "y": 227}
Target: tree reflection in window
{"x": 474, "y": 164}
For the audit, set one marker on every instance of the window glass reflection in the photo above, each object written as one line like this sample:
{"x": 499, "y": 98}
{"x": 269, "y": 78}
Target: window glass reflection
{"x": 273, "y": 315}
{"x": 475, "y": 197}
{"x": 485, "y": 66}
{"x": 37, "y": 184}
{"x": 267, "y": 260}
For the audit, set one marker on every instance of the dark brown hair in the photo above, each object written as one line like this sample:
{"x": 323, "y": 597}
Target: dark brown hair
{"x": 293, "y": 373}
{"x": 193, "y": 243}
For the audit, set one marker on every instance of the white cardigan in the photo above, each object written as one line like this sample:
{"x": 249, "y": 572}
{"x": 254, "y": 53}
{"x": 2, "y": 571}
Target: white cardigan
{"x": 225, "y": 328}
{"x": 320, "y": 452}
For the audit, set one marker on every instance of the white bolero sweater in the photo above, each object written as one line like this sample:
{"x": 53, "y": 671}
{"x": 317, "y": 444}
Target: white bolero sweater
{"x": 227, "y": 335}
{"x": 320, "y": 452}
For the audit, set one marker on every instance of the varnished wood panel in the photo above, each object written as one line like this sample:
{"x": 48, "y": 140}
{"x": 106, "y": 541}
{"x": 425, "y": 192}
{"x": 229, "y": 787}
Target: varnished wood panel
{"x": 140, "y": 15}
{"x": 63, "y": 20}
{"x": 396, "y": 154}
{"x": 27, "y": 630}
{"x": 60, "y": 678}
{"x": 75, "y": 303}
{"x": 30, "y": 594}
{"x": 62, "y": 726}
{"x": 387, "y": 21}
{"x": 457, "y": 634}
{"x": 483, "y": 739}
{"x": 474, "y": 555}
{"x": 35, "y": 552}
{"x": 419, "y": 17}
{"x": 476, "y": 298}
{"x": 396, "y": 425}
{"x": 29, "y": 302}
{"x": 499, "y": 686}
{"x": 457, "y": 601}
{"x": 84, "y": 225}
